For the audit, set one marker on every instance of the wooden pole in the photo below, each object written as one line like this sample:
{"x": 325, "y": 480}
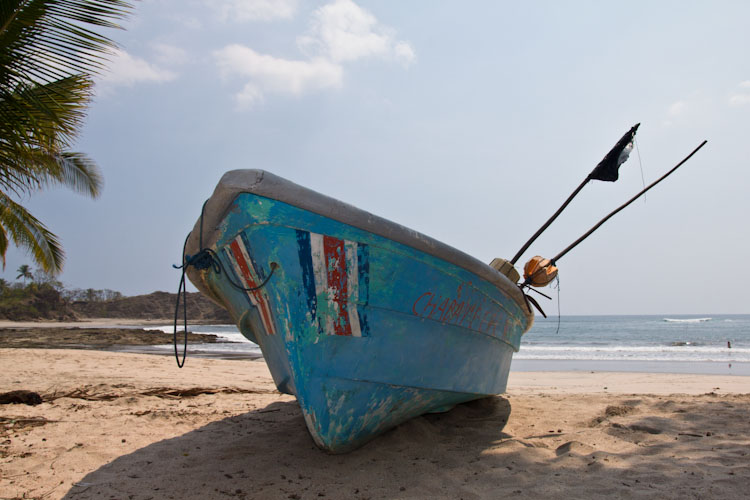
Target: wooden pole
{"x": 549, "y": 221}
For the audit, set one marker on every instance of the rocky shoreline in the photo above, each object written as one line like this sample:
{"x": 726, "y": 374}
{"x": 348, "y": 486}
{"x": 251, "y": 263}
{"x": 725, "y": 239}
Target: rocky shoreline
{"x": 52, "y": 337}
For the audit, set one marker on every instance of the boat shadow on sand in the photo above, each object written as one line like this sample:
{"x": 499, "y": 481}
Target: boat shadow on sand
{"x": 619, "y": 447}
{"x": 268, "y": 453}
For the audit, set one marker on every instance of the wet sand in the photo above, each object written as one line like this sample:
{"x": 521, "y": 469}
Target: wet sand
{"x": 115, "y": 425}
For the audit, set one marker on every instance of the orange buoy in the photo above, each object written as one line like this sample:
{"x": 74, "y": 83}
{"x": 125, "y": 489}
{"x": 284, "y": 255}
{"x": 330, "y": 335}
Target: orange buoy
{"x": 539, "y": 271}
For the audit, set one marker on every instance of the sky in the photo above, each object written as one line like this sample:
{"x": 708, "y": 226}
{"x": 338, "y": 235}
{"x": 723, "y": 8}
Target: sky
{"x": 470, "y": 122}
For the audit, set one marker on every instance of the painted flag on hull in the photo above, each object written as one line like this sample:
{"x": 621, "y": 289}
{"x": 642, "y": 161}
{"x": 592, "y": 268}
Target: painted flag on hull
{"x": 336, "y": 273}
{"x": 250, "y": 275}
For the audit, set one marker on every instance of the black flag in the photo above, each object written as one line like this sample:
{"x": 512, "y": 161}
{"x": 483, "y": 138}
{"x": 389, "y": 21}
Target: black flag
{"x": 608, "y": 168}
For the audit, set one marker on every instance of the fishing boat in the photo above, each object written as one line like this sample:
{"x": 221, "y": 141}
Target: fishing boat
{"x": 367, "y": 323}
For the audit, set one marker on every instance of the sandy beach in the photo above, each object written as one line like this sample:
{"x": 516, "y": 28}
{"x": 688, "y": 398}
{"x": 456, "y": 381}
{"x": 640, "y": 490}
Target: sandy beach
{"x": 118, "y": 425}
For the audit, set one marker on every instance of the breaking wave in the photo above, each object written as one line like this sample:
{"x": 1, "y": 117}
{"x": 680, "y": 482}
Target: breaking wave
{"x": 676, "y": 352}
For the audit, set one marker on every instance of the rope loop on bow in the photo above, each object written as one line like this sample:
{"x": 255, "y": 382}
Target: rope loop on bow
{"x": 205, "y": 259}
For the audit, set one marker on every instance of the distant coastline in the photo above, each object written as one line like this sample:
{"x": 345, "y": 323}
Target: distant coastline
{"x": 39, "y": 301}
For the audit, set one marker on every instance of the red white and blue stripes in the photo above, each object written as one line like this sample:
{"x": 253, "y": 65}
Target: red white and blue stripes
{"x": 336, "y": 278}
{"x": 251, "y": 276}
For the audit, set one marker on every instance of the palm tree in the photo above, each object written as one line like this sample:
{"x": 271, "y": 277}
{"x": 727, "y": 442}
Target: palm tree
{"x": 47, "y": 57}
{"x": 24, "y": 272}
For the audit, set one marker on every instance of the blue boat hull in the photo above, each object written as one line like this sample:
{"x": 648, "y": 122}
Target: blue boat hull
{"x": 365, "y": 331}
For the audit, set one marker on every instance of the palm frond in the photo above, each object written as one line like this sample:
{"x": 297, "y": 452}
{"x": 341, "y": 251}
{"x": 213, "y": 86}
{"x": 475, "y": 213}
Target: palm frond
{"x": 47, "y": 54}
{"x": 37, "y": 123}
{"x": 43, "y": 40}
{"x": 77, "y": 172}
{"x": 27, "y": 232}
{"x": 3, "y": 244}
{"x": 48, "y": 114}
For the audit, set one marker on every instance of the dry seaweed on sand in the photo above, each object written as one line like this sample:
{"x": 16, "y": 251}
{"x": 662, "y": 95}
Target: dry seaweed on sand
{"x": 94, "y": 393}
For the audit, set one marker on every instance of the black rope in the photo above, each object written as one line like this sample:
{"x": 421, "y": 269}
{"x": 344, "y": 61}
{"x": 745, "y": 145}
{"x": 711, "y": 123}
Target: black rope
{"x": 529, "y": 300}
{"x": 181, "y": 291}
{"x": 206, "y": 258}
{"x": 540, "y": 293}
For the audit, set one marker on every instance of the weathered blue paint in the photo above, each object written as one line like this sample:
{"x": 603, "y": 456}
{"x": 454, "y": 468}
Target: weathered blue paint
{"x": 425, "y": 334}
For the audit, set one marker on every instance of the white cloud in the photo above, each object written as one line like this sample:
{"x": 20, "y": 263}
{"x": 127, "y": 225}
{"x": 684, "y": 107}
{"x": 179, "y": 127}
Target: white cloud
{"x": 404, "y": 53}
{"x": 169, "y": 54}
{"x": 256, "y": 10}
{"x": 677, "y": 108}
{"x": 272, "y": 74}
{"x": 185, "y": 19}
{"x": 249, "y": 95}
{"x": 342, "y": 32}
{"x": 741, "y": 98}
{"x": 127, "y": 70}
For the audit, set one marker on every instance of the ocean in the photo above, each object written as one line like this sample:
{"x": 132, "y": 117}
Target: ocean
{"x": 231, "y": 345}
{"x": 718, "y": 344}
